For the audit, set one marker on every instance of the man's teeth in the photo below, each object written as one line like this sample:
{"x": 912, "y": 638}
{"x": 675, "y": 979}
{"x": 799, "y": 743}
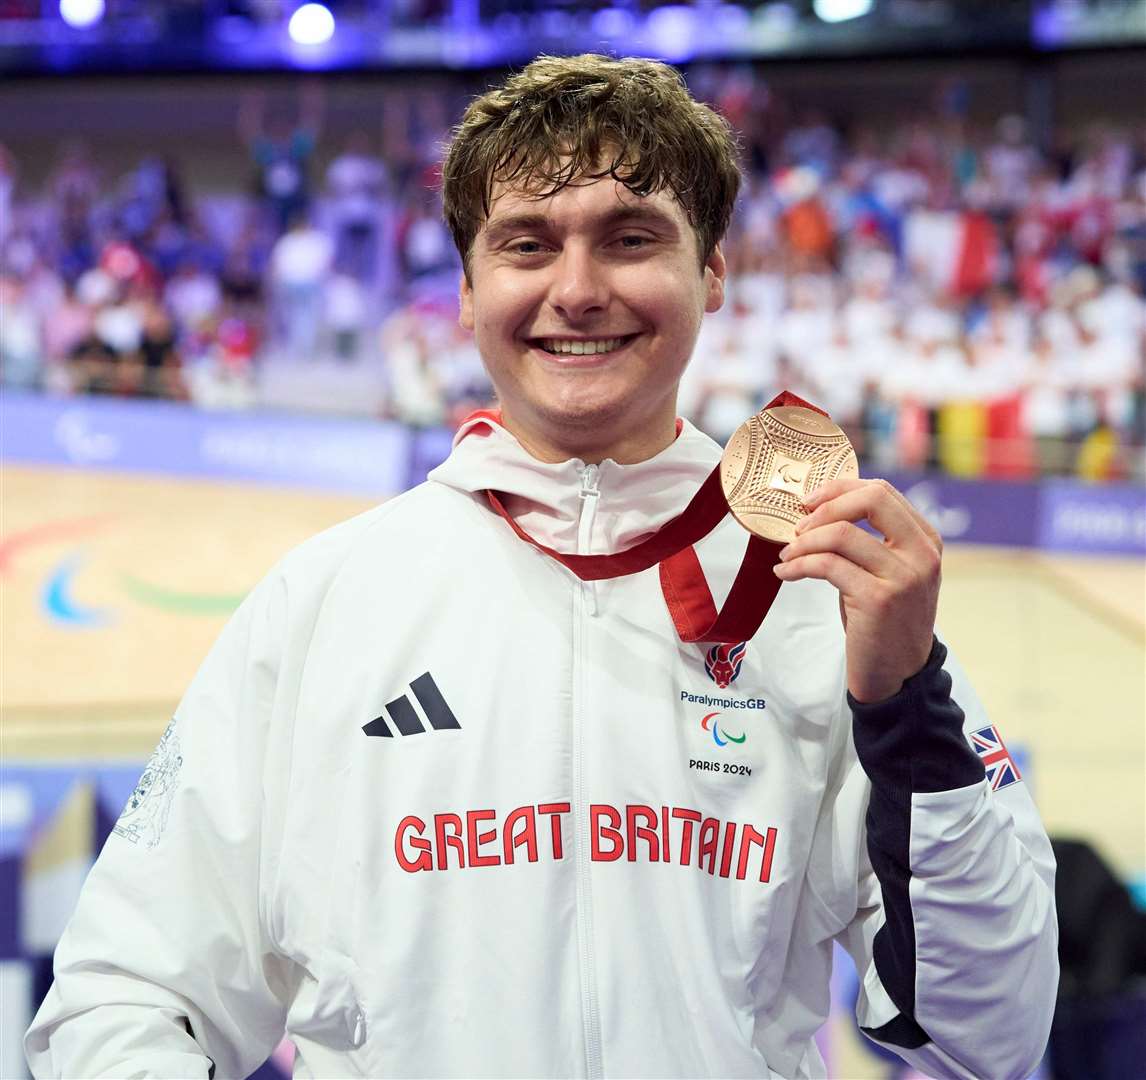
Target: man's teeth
{"x": 581, "y": 348}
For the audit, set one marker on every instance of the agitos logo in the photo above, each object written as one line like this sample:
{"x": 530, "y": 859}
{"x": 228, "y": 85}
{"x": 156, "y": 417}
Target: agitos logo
{"x": 721, "y": 738}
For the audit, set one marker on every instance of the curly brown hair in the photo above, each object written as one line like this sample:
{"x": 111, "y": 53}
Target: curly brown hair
{"x": 565, "y": 119}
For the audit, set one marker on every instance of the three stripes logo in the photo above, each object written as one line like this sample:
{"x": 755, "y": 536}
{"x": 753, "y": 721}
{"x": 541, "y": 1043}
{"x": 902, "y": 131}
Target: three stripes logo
{"x": 405, "y": 717}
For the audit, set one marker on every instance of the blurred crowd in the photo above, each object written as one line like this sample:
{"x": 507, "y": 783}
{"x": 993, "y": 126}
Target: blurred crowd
{"x": 955, "y": 294}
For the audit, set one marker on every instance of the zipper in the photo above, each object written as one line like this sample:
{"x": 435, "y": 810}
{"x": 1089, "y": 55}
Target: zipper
{"x": 590, "y": 495}
{"x": 586, "y": 606}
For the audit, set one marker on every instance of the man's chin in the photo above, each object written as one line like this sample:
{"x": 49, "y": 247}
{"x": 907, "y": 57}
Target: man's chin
{"x": 595, "y": 430}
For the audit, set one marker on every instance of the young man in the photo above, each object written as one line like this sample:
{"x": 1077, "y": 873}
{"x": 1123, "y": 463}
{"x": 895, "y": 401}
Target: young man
{"x": 438, "y": 805}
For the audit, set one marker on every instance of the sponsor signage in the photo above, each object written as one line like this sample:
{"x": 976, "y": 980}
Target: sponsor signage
{"x": 1090, "y": 518}
{"x": 974, "y": 511}
{"x": 1055, "y": 514}
{"x": 351, "y": 456}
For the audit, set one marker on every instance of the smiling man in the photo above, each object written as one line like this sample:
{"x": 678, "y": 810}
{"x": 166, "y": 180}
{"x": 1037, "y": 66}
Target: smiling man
{"x": 462, "y": 790}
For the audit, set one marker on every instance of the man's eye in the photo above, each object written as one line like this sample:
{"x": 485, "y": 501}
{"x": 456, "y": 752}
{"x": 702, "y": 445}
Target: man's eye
{"x": 633, "y": 242}
{"x": 526, "y": 247}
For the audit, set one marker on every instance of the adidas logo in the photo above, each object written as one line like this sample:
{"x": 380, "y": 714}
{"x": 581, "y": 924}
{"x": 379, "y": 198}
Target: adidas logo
{"x": 405, "y": 717}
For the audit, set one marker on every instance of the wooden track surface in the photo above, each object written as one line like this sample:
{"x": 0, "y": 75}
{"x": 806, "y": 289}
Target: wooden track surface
{"x": 134, "y": 537}
{"x": 1055, "y": 644}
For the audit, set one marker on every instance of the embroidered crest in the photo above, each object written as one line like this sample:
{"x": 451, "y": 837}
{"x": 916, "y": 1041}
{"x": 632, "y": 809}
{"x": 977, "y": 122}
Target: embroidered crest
{"x": 145, "y": 816}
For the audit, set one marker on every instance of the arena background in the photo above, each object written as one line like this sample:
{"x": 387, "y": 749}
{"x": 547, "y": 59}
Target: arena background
{"x": 942, "y": 239}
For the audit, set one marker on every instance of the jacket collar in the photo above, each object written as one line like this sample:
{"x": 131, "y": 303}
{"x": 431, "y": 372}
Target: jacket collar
{"x": 546, "y": 500}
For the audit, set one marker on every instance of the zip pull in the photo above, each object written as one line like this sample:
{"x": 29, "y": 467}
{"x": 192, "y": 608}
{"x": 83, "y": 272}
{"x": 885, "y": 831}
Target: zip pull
{"x": 589, "y": 497}
{"x": 590, "y": 493}
{"x": 589, "y": 476}
{"x": 359, "y": 1035}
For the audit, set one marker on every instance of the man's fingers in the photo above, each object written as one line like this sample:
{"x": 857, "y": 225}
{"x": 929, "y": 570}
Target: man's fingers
{"x": 848, "y": 578}
{"x": 835, "y": 488}
{"x": 876, "y": 501}
{"x": 848, "y": 540}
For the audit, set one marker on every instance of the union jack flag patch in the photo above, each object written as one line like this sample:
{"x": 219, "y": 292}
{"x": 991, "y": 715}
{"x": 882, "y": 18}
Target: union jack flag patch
{"x": 996, "y": 758}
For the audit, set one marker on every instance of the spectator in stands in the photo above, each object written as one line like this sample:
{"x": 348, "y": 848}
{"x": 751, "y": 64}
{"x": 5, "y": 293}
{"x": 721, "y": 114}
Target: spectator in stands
{"x": 1011, "y": 163}
{"x": 157, "y": 365}
{"x": 222, "y": 377}
{"x": 868, "y": 309}
{"x": 735, "y": 373}
{"x": 300, "y": 266}
{"x": 68, "y": 323}
{"x": 282, "y": 151}
{"x": 21, "y": 344}
{"x": 245, "y": 263}
{"x": 346, "y": 314}
{"x": 417, "y": 391}
{"x": 8, "y": 176}
{"x": 74, "y": 186}
{"x": 428, "y": 258}
{"x": 869, "y": 262}
{"x": 193, "y": 295}
{"x": 356, "y": 185}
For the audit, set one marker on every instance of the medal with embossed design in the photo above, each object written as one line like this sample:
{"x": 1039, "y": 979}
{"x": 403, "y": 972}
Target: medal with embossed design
{"x": 774, "y": 461}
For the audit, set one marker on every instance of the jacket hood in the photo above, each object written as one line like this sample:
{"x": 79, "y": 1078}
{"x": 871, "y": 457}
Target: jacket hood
{"x": 545, "y": 499}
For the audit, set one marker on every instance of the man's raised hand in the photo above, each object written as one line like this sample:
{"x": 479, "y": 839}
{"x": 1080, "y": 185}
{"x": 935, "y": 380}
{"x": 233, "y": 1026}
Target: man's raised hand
{"x": 889, "y": 588}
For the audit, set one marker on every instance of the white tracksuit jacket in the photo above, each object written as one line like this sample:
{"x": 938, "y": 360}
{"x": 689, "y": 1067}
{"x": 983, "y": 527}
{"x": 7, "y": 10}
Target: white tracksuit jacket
{"x": 437, "y": 808}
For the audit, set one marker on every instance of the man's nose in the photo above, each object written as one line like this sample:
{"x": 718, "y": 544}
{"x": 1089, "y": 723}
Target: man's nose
{"x": 580, "y": 284}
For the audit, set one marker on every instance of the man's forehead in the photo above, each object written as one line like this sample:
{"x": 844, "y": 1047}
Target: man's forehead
{"x": 603, "y": 198}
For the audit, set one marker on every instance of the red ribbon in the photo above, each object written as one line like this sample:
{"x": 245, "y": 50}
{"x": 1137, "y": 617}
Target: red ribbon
{"x": 685, "y": 589}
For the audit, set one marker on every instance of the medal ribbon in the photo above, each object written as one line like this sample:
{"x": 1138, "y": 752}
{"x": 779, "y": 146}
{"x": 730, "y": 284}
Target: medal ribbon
{"x": 683, "y": 583}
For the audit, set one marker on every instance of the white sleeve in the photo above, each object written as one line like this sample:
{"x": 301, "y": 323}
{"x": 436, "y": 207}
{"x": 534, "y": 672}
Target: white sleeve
{"x": 165, "y": 969}
{"x": 954, "y": 934}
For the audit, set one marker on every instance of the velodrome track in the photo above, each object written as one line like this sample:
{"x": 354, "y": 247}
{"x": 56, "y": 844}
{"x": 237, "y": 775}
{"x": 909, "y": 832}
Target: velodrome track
{"x": 114, "y": 585}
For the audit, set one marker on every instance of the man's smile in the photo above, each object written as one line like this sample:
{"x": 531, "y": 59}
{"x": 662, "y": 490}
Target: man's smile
{"x": 569, "y": 347}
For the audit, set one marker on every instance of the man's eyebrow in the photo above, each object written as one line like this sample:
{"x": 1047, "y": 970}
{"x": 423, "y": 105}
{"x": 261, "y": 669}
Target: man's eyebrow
{"x": 621, "y": 215}
{"x": 512, "y": 223}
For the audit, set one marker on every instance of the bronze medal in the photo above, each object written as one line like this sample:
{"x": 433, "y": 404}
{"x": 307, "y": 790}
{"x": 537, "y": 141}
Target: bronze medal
{"x": 774, "y": 461}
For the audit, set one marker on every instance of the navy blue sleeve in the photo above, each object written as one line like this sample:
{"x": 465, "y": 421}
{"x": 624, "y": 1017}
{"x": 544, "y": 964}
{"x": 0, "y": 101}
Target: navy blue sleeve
{"x": 911, "y": 742}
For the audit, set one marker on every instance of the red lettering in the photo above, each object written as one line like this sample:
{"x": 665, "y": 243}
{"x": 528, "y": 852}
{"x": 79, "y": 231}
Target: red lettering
{"x": 476, "y": 839}
{"x": 748, "y": 837}
{"x": 526, "y": 836}
{"x": 689, "y": 817}
{"x": 646, "y": 832}
{"x": 424, "y": 861}
{"x": 555, "y": 809}
{"x": 769, "y": 849}
{"x": 726, "y": 851}
{"x": 665, "y": 834}
{"x": 612, "y": 832}
{"x": 709, "y": 836}
{"x": 444, "y": 842}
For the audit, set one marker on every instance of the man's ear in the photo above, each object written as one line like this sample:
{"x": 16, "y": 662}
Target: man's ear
{"x": 715, "y": 270}
{"x": 465, "y": 303}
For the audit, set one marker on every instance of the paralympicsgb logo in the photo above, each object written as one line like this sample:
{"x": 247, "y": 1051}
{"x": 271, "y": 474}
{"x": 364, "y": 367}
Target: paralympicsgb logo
{"x": 723, "y": 662}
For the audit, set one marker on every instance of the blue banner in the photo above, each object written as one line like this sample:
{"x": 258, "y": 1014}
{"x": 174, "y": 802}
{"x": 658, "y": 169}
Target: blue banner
{"x": 1092, "y": 518}
{"x": 1054, "y": 514}
{"x": 350, "y": 456}
{"x": 383, "y": 458}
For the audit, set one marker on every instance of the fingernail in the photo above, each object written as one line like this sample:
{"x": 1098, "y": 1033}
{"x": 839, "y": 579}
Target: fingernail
{"x": 784, "y": 552}
{"x": 801, "y": 524}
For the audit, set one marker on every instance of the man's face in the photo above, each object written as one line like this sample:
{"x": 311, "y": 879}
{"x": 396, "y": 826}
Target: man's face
{"x": 585, "y": 306}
